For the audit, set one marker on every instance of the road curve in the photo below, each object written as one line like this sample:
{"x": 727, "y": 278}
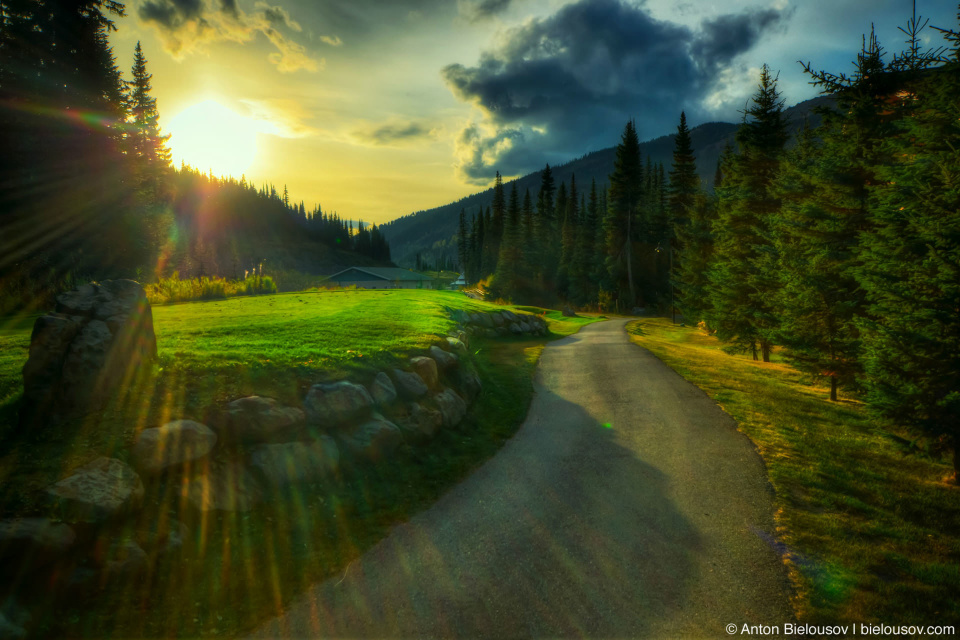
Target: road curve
{"x": 658, "y": 525}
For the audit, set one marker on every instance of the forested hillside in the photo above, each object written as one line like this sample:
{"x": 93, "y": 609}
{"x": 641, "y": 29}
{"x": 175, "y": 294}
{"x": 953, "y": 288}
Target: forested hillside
{"x": 88, "y": 190}
{"x": 430, "y": 232}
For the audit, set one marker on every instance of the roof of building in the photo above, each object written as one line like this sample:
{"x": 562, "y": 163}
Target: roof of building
{"x": 393, "y": 274}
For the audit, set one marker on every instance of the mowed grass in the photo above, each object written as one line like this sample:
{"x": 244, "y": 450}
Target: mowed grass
{"x": 870, "y": 529}
{"x": 238, "y": 569}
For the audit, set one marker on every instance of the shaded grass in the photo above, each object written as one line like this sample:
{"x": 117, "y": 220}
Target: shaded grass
{"x": 238, "y": 569}
{"x": 870, "y": 529}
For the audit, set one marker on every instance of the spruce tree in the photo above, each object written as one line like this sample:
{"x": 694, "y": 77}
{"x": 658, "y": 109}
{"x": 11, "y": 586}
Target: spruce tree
{"x": 462, "y": 241}
{"x": 743, "y": 274}
{"x": 625, "y": 196}
{"x": 568, "y": 237}
{"x": 147, "y": 146}
{"x": 508, "y": 264}
{"x": 909, "y": 261}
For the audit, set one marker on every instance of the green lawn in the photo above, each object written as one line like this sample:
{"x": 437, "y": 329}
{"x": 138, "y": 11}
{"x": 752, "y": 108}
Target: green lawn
{"x": 239, "y": 569}
{"x": 870, "y": 526}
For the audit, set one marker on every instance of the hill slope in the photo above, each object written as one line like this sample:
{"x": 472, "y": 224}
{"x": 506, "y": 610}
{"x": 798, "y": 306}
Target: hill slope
{"x": 432, "y": 232}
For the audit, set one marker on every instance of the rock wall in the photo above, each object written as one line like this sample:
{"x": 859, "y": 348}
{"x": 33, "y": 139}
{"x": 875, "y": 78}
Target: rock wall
{"x": 253, "y": 448}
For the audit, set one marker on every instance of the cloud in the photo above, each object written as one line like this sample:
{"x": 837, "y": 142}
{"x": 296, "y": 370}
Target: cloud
{"x": 393, "y": 133}
{"x": 187, "y": 26}
{"x": 476, "y": 10}
{"x": 561, "y": 85}
{"x": 281, "y": 117}
{"x": 333, "y": 41}
{"x": 727, "y": 36}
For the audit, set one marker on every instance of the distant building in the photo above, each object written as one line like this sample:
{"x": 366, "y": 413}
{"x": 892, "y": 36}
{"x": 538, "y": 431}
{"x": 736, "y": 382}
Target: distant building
{"x": 459, "y": 282}
{"x": 381, "y": 278}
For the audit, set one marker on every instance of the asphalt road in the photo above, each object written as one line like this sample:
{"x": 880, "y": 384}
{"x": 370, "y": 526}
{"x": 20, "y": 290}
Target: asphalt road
{"x": 626, "y": 506}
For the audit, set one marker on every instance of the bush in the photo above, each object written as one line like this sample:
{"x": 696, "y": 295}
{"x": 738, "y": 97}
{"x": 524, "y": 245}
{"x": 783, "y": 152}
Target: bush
{"x": 173, "y": 289}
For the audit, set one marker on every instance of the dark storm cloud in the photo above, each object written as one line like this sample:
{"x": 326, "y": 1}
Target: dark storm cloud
{"x": 569, "y": 82}
{"x": 728, "y": 36}
{"x": 186, "y": 25}
{"x": 394, "y": 133}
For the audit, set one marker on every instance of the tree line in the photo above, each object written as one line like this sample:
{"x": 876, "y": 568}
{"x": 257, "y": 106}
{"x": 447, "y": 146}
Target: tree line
{"x": 87, "y": 188}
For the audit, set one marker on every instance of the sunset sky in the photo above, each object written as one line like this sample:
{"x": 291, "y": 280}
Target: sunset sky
{"x": 377, "y": 109}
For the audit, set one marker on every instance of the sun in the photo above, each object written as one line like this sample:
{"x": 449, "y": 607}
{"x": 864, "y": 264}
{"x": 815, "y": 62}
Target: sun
{"x": 210, "y": 137}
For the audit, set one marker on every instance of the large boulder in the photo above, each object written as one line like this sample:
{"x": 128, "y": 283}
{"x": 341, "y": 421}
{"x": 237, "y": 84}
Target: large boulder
{"x": 452, "y": 407}
{"x": 409, "y": 384}
{"x": 508, "y": 315}
{"x": 515, "y": 329}
{"x": 97, "y": 491}
{"x": 419, "y": 422}
{"x": 292, "y": 463}
{"x": 222, "y": 485}
{"x": 445, "y": 361}
{"x": 332, "y": 405}
{"x": 468, "y": 383}
{"x": 374, "y": 439}
{"x": 99, "y": 335}
{"x": 426, "y": 368}
{"x": 456, "y": 345}
{"x": 568, "y": 312}
{"x": 257, "y": 419}
{"x": 171, "y": 445}
{"x": 28, "y": 543}
{"x": 382, "y": 390}
{"x": 123, "y": 558}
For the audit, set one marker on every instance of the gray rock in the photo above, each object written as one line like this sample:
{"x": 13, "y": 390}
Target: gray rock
{"x": 508, "y": 315}
{"x": 382, "y": 390}
{"x": 568, "y": 312}
{"x": 28, "y": 543}
{"x": 97, "y": 491}
{"x": 172, "y": 445}
{"x": 457, "y": 346}
{"x": 124, "y": 558}
{"x": 419, "y": 422}
{"x": 80, "y": 355}
{"x": 374, "y": 439}
{"x": 222, "y": 486}
{"x": 497, "y": 319}
{"x": 452, "y": 407}
{"x": 525, "y": 327}
{"x": 638, "y": 311}
{"x": 486, "y": 320}
{"x": 515, "y": 329}
{"x": 292, "y": 463}
{"x": 476, "y": 318}
{"x": 501, "y": 331}
{"x": 427, "y": 369}
{"x": 331, "y": 405}
{"x": 468, "y": 383}
{"x": 257, "y": 419}
{"x": 445, "y": 361}
{"x": 409, "y": 384}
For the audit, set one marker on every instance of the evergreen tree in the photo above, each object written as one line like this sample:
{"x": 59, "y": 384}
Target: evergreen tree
{"x": 568, "y": 237}
{"x": 545, "y": 258}
{"x": 507, "y": 278}
{"x": 462, "y": 242}
{"x": 625, "y": 195}
{"x": 910, "y": 260}
{"x": 146, "y": 144}
{"x": 743, "y": 275}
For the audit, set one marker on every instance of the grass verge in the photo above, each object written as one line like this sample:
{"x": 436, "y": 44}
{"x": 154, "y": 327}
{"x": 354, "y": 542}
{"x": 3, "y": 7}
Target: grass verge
{"x": 871, "y": 531}
{"x": 236, "y": 570}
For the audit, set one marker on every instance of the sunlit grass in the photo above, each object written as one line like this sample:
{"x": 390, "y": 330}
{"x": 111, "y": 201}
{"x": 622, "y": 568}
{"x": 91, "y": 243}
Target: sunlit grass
{"x": 238, "y": 569}
{"x": 871, "y": 529}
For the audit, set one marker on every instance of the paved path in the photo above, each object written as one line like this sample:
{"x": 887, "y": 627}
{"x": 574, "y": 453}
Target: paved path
{"x": 655, "y": 527}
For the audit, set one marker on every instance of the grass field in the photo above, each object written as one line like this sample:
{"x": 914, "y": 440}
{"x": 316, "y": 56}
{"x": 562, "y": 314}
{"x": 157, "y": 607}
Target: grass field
{"x": 241, "y": 568}
{"x": 871, "y": 529}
